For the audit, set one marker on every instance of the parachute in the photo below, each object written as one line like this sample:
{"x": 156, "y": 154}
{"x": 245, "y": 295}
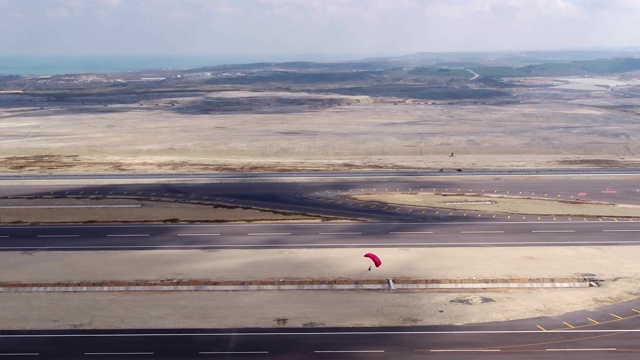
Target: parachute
{"x": 376, "y": 260}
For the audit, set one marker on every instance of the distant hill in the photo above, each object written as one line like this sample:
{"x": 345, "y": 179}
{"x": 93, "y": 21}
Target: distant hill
{"x": 573, "y": 68}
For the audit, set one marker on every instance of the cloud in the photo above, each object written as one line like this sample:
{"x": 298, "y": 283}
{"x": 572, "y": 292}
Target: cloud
{"x": 316, "y": 26}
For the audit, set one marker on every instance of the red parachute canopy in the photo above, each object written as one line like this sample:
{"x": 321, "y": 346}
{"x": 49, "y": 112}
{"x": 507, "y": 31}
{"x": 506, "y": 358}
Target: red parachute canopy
{"x": 376, "y": 260}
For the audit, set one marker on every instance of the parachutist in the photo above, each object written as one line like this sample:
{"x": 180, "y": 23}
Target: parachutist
{"x": 369, "y": 268}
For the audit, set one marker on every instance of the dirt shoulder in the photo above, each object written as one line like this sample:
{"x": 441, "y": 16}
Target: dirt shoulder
{"x": 504, "y": 204}
{"x": 123, "y": 210}
{"x": 616, "y": 265}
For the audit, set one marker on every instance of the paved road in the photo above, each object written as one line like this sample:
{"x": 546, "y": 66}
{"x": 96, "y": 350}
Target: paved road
{"x": 611, "y": 332}
{"x": 317, "y": 235}
{"x": 327, "y": 198}
{"x": 321, "y": 174}
{"x": 396, "y": 225}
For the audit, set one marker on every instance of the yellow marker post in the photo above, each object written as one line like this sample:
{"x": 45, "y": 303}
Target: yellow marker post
{"x": 593, "y": 321}
{"x": 568, "y": 325}
{"x": 638, "y": 311}
{"x": 541, "y": 328}
{"x": 616, "y": 316}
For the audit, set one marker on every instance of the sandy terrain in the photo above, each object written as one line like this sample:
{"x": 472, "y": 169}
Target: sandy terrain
{"x": 616, "y": 265}
{"x": 186, "y": 134}
{"x": 27, "y": 211}
{"x": 503, "y": 204}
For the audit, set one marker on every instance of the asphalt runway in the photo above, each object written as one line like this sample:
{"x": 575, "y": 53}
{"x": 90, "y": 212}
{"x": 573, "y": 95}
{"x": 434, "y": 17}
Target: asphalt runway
{"x": 317, "y": 235}
{"x": 614, "y": 335}
{"x": 327, "y": 198}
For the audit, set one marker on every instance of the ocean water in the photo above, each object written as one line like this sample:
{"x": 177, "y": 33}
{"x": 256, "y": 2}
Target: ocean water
{"x": 55, "y": 65}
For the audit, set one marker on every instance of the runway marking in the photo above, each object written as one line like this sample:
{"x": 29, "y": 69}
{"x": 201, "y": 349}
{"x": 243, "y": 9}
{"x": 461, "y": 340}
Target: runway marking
{"x": 594, "y": 349}
{"x": 67, "y": 206}
{"x": 638, "y": 311}
{"x": 616, "y": 316}
{"x": 410, "y": 232}
{"x": 621, "y": 230}
{"x": 337, "y": 245}
{"x": 198, "y": 234}
{"x": 593, "y": 321}
{"x": 267, "y": 234}
{"x": 341, "y": 233}
{"x": 20, "y": 354}
{"x": 568, "y": 325}
{"x": 232, "y": 352}
{"x": 607, "y": 332}
{"x": 127, "y": 235}
{"x": 122, "y": 353}
{"x": 348, "y": 351}
{"x": 541, "y": 328}
{"x": 464, "y": 350}
{"x": 482, "y": 232}
{"x": 57, "y": 236}
{"x": 553, "y": 231}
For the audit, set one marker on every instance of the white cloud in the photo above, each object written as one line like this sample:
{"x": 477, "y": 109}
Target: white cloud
{"x": 319, "y": 26}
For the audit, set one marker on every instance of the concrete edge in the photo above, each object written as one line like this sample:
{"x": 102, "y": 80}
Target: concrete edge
{"x": 49, "y": 289}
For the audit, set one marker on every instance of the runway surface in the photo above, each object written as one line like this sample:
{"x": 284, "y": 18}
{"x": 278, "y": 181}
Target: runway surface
{"x": 610, "y": 332}
{"x": 317, "y": 235}
{"x": 330, "y": 198}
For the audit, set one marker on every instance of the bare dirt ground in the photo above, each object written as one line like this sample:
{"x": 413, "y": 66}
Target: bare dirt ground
{"x": 504, "y": 204}
{"x": 60, "y": 211}
{"x": 616, "y": 265}
{"x": 539, "y": 127}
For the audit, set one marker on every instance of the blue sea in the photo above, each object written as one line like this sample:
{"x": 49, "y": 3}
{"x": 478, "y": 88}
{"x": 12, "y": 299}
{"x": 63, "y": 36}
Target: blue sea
{"x": 55, "y": 65}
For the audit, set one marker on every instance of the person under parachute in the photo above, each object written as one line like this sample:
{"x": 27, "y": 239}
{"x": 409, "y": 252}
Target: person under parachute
{"x": 376, "y": 260}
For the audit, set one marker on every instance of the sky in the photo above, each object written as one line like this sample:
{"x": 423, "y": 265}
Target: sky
{"x": 352, "y": 27}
